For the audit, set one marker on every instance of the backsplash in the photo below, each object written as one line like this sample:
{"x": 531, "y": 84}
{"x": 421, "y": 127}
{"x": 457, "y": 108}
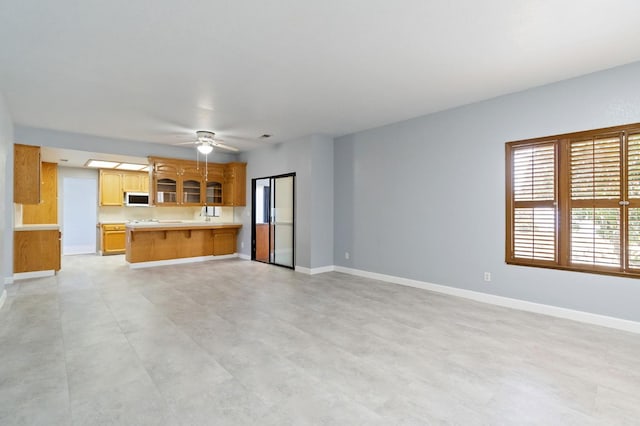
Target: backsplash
{"x": 112, "y": 214}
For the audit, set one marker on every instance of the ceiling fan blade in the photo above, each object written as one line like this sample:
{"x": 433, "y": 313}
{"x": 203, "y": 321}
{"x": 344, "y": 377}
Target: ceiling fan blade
{"x": 227, "y": 147}
{"x": 187, "y": 143}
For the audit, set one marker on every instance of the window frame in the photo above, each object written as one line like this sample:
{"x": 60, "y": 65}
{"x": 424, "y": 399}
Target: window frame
{"x": 563, "y": 202}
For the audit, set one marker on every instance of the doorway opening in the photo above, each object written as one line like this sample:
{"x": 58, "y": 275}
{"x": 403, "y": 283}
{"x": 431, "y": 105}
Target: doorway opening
{"x": 79, "y": 215}
{"x": 273, "y": 220}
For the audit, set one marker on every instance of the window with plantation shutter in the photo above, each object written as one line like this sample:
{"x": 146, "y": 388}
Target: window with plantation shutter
{"x": 573, "y": 201}
{"x": 595, "y": 200}
{"x": 633, "y": 197}
{"x": 534, "y": 225}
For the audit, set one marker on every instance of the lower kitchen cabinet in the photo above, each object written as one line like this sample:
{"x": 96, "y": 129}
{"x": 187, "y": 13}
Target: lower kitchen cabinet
{"x": 36, "y": 250}
{"x": 224, "y": 242}
{"x": 112, "y": 238}
{"x": 147, "y": 243}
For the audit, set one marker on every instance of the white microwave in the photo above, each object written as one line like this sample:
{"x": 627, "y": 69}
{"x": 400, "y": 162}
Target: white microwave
{"x": 136, "y": 199}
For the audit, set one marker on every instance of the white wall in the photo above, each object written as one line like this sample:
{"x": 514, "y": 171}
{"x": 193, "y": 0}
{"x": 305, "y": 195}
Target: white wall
{"x": 424, "y": 199}
{"x": 6, "y": 193}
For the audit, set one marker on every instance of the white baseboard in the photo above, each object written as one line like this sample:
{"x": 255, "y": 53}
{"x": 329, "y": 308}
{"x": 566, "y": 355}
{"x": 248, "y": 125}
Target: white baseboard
{"x": 244, "y": 256}
{"x": 34, "y": 274}
{"x": 313, "y": 271}
{"x": 3, "y": 297}
{"x": 71, "y": 250}
{"x": 139, "y": 265}
{"x": 555, "y": 311}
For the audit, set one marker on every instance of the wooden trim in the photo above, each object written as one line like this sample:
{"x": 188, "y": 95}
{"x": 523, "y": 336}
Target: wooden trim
{"x": 624, "y": 196}
{"x": 565, "y": 204}
{"x": 630, "y": 128}
{"x": 508, "y": 173}
{"x": 564, "y": 195}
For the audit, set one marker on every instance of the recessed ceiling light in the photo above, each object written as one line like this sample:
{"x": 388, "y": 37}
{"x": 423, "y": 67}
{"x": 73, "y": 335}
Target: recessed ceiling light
{"x": 101, "y": 164}
{"x": 131, "y": 166}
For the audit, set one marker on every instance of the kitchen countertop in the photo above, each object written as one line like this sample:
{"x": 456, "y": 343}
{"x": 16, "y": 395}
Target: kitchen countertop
{"x": 38, "y": 227}
{"x": 179, "y": 224}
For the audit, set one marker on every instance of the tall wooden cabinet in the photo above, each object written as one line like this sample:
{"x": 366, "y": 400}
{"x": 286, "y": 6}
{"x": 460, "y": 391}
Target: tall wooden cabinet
{"x": 47, "y": 210}
{"x": 26, "y": 172}
{"x": 234, "y": 188}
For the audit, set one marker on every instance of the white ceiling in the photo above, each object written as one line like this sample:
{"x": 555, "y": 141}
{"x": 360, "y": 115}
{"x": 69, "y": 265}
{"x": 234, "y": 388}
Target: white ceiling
{"x": 157, "y": 70}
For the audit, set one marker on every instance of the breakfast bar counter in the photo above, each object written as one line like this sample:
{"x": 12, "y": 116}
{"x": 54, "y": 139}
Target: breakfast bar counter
{"x": 163, "y": 242}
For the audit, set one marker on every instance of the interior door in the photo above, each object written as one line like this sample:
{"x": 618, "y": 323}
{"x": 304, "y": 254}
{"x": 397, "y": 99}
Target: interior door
{"x": 262, "y": 219}
{"x": 273, "y": 217}
{"x": 282, "y": 221}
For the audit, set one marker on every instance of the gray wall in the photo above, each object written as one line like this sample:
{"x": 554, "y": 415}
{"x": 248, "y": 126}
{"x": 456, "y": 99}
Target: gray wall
{"x": 311, "y": 158}
{"x": 81, "y": 142}
{"x": 6, "y": 193}
{"x": 321, "y": 212}
{"x": 424, "y": 199}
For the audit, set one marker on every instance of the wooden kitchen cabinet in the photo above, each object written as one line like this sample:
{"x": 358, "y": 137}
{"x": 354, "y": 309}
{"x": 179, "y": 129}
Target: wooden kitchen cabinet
{"x": 191, "y": 189}
{"x": 224, "y": 242}
{"x": 176, "y": 241}
{"x": 177, "y": 182}
{"x": 135, "y": 182}
{"x": 111, "y": 193}
{"x": 26, "y": 174}
{"x": 190, "y": 183}
{"x": 214, "y": 183}
{"x": 214, "y": 193}
{"x": 47, "y": 211}
{"x": 36, "y": 250}
{"x": 234, "y": 188}
{"x": 114, "y": 183}
{"x": 112, "y": 239}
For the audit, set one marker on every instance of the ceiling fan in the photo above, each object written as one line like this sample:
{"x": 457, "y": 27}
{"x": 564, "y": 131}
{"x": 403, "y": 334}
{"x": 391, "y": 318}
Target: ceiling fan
{"x": 206, "y": 142}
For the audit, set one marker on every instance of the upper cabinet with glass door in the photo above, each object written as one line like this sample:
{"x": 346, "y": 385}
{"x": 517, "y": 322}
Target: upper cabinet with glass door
{"x": 215, "y": 179}
{"x": 176, "y": 183}
{"x": 191, "y": 183}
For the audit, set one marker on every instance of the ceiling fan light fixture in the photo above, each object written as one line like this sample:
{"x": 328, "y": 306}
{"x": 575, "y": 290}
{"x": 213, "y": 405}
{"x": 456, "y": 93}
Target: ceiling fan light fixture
{"x": 205, "y": 148}
{"x": 205, "y": 136}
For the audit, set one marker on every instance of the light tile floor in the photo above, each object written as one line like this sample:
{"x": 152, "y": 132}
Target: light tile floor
{"x": 237, "y": 342}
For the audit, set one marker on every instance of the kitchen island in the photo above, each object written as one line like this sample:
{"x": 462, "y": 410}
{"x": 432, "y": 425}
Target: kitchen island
{"x": 170, "y": 242}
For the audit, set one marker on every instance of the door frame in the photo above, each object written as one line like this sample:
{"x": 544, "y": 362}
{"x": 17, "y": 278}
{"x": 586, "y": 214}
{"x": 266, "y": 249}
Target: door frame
{"x": 253, "y": 218}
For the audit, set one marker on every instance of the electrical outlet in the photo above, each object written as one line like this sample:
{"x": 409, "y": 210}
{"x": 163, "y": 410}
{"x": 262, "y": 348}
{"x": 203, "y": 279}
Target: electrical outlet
{"x": 241, "y": 244}
{"x": 487, "y": 276}
{"x": 346, "y": 255}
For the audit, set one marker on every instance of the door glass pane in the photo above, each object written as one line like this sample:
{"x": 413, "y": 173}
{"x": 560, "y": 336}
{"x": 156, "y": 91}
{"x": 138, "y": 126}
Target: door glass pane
{"x": 282, "y": 220}
{"x": 263, "y": 231}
